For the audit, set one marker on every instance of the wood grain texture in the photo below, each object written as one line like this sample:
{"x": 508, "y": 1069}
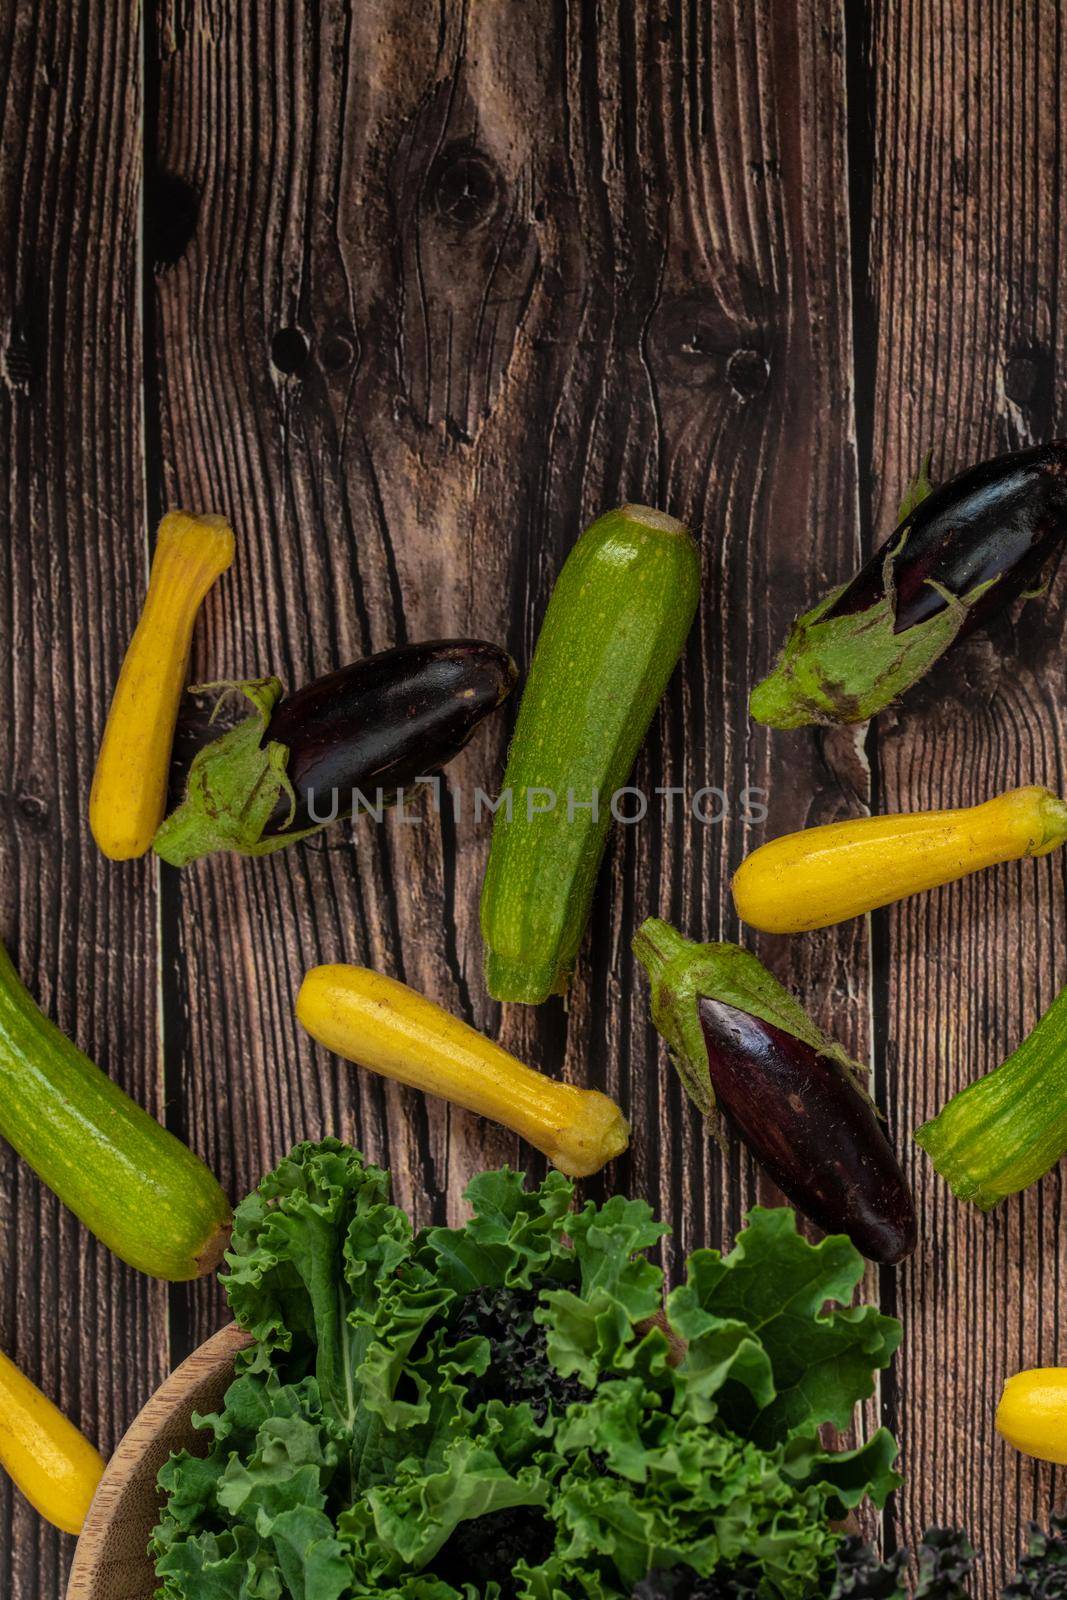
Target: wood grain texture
{"x": 425, "y": 287}
{"x": 451, "y": 292}
{"x": 82, "y": 933}
{"x": 967, "y": 274}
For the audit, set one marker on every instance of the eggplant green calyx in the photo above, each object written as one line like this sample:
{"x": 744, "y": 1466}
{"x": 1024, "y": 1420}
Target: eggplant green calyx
{"x": 916, "y": 491}
{"x": 808, "y": 684}
{"x": 234, "y": 785}
{"x": 683, "y": 973}
{"x": 959, "y": 554}
{"x": 848, "y": 668}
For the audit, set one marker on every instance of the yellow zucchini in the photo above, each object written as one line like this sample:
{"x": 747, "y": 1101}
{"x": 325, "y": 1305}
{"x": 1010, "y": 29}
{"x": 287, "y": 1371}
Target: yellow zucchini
{"x": 54, "y": 1465}
{"x": 843, "y": 869}
{"x": 385, "y": 1026}
{"x": 129, "y": 790}
{"x": 1032, "y": 1414}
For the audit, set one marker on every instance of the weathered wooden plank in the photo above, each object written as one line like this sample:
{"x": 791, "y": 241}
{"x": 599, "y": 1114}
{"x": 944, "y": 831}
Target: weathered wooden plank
{"x": 428, "y": 295}
{"x": 449, "y": 294}
{"x": 745, "y": 351}
{"x": 72, "y": 569}
{"x": 967, "y": 271}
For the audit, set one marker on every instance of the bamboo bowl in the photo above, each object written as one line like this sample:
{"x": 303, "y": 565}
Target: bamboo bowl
{"x": 111, "y": 1561}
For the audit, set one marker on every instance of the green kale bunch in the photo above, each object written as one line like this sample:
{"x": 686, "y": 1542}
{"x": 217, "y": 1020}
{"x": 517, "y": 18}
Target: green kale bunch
{"x": 503, "y": 1411}
{"x": 1043, "y": 1573}
{"x": 946, "y": 1562}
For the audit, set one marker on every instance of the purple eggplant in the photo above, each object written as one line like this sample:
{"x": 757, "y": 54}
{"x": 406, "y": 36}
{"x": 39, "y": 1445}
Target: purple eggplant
{"x": 989, "y": 531}
{"x": 381, "y": 723}
{"x": 755, "y": 1064}
{"x": 356, "y": 737}
{"x": 802, "y": 1116}
{"x": 963, "y": 552}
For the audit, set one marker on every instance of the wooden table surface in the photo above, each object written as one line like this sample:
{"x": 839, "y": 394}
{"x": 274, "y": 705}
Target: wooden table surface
{"x": 410, "y": 291}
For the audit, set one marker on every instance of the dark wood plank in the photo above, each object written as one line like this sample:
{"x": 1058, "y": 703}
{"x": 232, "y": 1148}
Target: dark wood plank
{"x": 459, "y": 280}
{"x": 81, "y": 931}
{"x": 431, "y": 288}
{"x": 967, "y": 271}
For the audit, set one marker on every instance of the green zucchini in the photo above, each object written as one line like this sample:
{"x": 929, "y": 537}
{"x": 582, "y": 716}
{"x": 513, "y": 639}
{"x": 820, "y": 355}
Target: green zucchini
{"x": 133, "y": 1184}
{"x": 1006, "y": 1130}
{"x": 614, "y": 629}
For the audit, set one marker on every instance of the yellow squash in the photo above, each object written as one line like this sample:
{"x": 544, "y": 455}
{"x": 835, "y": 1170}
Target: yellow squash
{"x": 828, "y": 874}
{"x": 1032, "y": 1414}
{"x": 384, "y": 1025}
{"x": 53, "y": 1464}
{"x": 130, "y": 783}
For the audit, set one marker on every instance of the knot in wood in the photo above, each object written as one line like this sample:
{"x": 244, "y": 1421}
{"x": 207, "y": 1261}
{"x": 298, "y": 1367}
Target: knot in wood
{"x": 1027, "y": 375}
{"x": 289, "y": 351}
{"x": 172, "y": 209}
{"x": 32, "y": 808}
{"x": 748, "y": 371}
{"x": 339, "y": 349}
{"x": 465, "y": 187}
{"x": 696, "y": 341}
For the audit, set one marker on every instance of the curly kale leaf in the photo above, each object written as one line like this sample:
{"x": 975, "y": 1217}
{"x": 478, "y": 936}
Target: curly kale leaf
{"x": 1043, "y": 1573}
{"x": 946, "y": 1561}
{"x": 722, "y": 1585}
{"x": 862, "y": 1576}
{"x": 500, "y": 1411}
{"x": 518, "y": 1368}
{"x": 773, "y": 1358}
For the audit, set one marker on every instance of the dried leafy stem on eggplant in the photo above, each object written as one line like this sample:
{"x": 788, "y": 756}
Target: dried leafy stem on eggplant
{"x": 961, "y": 553}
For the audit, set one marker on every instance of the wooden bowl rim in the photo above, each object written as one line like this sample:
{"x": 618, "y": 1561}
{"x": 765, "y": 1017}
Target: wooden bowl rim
{"x": 209, "y": 1360}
